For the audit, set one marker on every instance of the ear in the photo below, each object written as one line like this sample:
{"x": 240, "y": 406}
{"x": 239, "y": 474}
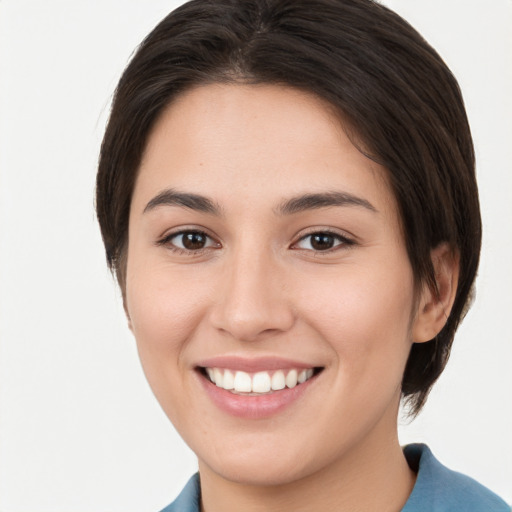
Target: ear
{"x": 434, "y": 306}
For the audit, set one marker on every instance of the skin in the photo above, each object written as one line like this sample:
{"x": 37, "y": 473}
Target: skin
{"x": 259, "y": 288}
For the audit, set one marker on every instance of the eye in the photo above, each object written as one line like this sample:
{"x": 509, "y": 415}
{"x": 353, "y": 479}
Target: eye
{"x": 189, "y": 240}
{"x": 322, "y": 241}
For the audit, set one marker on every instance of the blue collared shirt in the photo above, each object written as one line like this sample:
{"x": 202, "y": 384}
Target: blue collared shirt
{"x": 437, "y": 489}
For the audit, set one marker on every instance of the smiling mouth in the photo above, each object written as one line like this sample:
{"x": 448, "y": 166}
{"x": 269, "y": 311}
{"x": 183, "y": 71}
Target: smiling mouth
{"x": 259, "y": 383}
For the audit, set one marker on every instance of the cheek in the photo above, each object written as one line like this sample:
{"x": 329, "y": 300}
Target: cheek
{"x": 163, "y": 305}
{"x": 164, "y": 310}
{"x": 365, "y": 315}
{"x": 365, "y": 322}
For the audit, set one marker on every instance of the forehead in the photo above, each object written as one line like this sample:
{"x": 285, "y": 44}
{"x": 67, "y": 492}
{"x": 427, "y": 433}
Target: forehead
{"x": 260, "y": 142}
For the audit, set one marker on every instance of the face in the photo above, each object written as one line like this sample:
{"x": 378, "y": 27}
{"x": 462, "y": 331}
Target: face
{"x": 268, "y": 285}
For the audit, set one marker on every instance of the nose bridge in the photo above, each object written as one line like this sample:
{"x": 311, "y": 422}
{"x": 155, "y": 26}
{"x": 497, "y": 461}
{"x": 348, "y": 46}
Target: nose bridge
{"x": 252, "y": 298}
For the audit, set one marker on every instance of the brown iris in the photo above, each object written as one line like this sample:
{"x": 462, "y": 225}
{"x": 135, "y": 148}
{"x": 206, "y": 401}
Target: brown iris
{"x": 193, "y": 240}
{"x": 322, "y": 241}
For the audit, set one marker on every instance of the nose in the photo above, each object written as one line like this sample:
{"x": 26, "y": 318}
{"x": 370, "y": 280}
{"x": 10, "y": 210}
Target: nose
{"x": 252, "y": 302}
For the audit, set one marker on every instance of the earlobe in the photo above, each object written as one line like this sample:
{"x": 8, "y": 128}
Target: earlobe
{"x": 434, "y": 306}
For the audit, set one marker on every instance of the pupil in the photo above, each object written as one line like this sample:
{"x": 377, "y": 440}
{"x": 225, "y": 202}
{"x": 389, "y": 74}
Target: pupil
{"x": 322, "y": 241}
{"x": 193, "y": 241}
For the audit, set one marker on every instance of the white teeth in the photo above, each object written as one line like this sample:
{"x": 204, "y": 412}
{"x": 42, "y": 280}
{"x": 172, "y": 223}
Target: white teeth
{"x": 278, "y": 381}
{"x": 243, "y": 382}
{"x": 260, "y": 382}
{"x": 218, "y": 375}
{"x": 291, "y": 379}
{"x": 229, "y": 380}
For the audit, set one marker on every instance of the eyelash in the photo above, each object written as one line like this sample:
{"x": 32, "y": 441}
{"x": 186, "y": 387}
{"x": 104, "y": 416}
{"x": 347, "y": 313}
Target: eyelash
{"x": 167, "y": 242}
{"x": 343, "y": 242}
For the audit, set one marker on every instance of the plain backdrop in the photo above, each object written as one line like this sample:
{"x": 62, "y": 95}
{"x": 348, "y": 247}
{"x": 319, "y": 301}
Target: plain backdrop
{"x": 79, "y": 428}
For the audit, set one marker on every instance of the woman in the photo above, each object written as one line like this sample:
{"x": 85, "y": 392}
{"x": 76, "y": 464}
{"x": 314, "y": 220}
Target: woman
{"x": 287, "y": 196}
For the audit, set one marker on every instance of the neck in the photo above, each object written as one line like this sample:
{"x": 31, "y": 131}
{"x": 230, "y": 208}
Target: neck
{"x": 373, "y": 476}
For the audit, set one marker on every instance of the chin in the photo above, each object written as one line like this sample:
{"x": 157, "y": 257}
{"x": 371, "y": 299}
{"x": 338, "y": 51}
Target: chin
{"x": 260, "y": 462}
{"x": 264, "y": 472}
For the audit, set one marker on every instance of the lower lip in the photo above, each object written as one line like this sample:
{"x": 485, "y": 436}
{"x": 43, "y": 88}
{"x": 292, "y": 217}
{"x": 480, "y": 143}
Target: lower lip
{"x": 254, "y": 407}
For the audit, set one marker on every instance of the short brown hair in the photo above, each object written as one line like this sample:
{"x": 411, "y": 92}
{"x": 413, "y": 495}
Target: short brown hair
{"x": 391, "y": 86}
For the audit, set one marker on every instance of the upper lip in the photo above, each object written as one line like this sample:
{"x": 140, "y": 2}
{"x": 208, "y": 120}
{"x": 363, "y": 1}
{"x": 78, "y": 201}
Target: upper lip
{"x": 253, "y": 364}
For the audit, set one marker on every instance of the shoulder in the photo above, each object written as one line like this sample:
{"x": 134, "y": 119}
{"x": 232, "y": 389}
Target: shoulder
{"x": 188, "y": 499}
{"x": 439, "y": 489}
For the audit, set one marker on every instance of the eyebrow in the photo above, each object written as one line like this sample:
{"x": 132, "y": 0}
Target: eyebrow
{"x": 322, "y": 200}
{"x": 171, "y": 197}
{"x": 304, "y": 202}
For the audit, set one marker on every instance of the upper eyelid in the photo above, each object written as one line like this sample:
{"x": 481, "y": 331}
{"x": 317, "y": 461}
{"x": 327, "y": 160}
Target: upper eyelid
{"x": 166, "y": 242}
{"x": 186, "y": 229}
{"x": 345, "y": 241}
{"x": 330, "y": 231}
{"x": 342, "y": 235}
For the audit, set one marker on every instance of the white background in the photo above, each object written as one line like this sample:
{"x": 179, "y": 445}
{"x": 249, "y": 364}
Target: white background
{"x": 79, "y": 427}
